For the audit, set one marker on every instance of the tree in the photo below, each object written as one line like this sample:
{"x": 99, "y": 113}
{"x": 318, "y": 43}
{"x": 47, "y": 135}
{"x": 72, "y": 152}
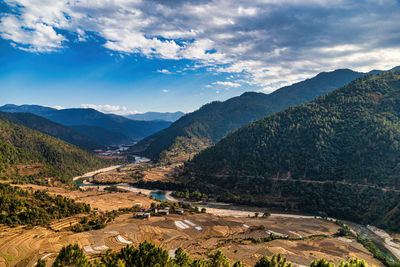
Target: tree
{"x": 41, "y": 263}
{"x": 276, "y": 261}
{"x": 266, "y": 214}
{"x": 219, "y": 260}
{"x": 72, "y": 255}
{"x": 321, "y": 263}
{"x": 238, "y": 264}
{"x": 354, "y": 262}
{"x": 181, "y": 258}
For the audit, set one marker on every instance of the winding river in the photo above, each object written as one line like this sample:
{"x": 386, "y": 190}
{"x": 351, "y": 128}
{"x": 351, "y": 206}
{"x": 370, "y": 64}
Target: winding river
{"x": 383, "y": 245}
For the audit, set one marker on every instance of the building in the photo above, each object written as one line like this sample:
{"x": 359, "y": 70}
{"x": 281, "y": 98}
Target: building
{"x": 180, "y": 211}
{"x": 143, "y": 215}
{"x": 163, "y": 212}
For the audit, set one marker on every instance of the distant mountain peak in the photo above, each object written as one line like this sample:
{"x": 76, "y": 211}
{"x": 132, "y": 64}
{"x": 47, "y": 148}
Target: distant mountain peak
{"x": 156, "y": 116}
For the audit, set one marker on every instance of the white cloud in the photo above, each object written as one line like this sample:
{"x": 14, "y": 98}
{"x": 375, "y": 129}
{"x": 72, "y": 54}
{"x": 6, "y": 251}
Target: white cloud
{"x": 165, "y": 91}
{"x": 164, "y": 71}
{"x": 57, "y": 107}
{"x": 272, "y": 42}
{"x": 109, "y": 109}
{"x": 228, "y": 84}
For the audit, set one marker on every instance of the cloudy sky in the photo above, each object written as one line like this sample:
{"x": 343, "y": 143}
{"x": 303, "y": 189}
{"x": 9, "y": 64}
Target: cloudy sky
{"x": 125, "y": 56}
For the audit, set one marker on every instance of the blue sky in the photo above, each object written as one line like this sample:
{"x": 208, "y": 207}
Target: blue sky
{"x": 127, "y": 56}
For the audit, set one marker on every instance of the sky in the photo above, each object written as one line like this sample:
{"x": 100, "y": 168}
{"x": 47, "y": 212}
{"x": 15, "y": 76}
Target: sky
{"x": 129, "y": 56}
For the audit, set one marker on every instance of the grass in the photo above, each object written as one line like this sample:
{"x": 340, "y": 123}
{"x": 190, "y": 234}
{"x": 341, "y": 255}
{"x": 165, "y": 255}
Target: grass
{"x": 8, "y": 257}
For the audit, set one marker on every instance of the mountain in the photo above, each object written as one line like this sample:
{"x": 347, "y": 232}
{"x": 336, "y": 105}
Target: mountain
{"x": 51, "y": 128}
{"x": 156, "y": 116}
{"x": 101, "y": 136}
{"x": 197, "y": 130}
{"x": 23, "y": 150}
{"x": 90, "y": 117}
{"x": 35, "y": 109}
{"x": 338, "y": 154}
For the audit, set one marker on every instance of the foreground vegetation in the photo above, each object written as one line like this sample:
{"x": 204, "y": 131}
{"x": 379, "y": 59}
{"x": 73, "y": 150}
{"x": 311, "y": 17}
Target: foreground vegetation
{"x": 338, "y": 155}
{"x": 147, "y": 254}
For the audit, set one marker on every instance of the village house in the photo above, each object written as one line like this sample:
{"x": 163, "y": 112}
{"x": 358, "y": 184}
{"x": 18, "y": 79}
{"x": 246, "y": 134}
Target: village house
{"x": 143, "y": 215}
{"x": 180, "y": 211}
{"x": 163, "y": 212}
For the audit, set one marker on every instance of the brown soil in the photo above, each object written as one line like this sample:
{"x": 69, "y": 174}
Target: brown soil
{"x": 138, "y": 172}
{"x": 101, "y": 200}
{"x": 26, "y": 246}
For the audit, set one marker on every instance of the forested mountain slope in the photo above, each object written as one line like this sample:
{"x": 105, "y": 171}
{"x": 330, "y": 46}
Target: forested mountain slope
{"x": 101, "y": 136}
{"x": 51, "y": 128}
{"x": 197, "y": 130}
{"x": 339, "y": 154}
{"x": 53, "y": 157}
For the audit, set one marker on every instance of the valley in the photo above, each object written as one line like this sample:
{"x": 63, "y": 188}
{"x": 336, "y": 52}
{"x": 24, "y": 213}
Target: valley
{"x": 230, "y": 233}
{"x": 228, "y": 178}
{"x": 209, "y": 133}
{"x": 230, "y": 228}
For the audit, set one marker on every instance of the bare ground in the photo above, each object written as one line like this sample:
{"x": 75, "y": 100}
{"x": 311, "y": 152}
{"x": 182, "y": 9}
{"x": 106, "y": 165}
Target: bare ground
{"x": 24, "y": 247}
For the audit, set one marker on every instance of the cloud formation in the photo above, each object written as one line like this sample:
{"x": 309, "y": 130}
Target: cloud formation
{"x": 121, "y": 110}
{"x": 228, "y": 84}
{"x": 272, "y": 42}
{"x": 164, "y": 71}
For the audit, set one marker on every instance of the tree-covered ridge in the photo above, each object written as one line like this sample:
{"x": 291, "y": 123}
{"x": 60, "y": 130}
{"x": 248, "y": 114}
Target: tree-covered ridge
{"x": 147, "y": 254}
{"x": 351, "y": 134}
{"x": 51, "y": 128}
{"x": 197, "y": 130}
{"x": 337, "y": 155}
{"x": 22, "y": 145}
{"x": 20, "y": 207}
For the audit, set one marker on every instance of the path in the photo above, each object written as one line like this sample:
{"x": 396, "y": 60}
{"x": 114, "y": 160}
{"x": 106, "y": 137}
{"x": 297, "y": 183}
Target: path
{"x": 90, "y": 174}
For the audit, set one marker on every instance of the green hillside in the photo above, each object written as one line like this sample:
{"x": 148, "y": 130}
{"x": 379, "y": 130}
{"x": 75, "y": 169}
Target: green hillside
{"x": 20, "y": 145}
{"x": 21, "y": 207}
{"x": 101, "y": 136}
{"x": 333, "y": 154}
{"x": 197, "y": 130}
{"x": 51, "y": 128}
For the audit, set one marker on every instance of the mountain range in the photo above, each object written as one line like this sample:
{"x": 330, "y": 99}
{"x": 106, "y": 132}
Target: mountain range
{"x": 199, "y": 129}
{"x": 51, "y": 128}
{"x": 338, "y": 154}
{"x": 104, "y": 129}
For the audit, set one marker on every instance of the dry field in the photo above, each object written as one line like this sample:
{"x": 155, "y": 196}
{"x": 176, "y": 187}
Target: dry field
{"x": 198, "y": 234}
{"x": 25, "y": 169}
{"x": 101, "y": 200}
{"x": 135, "y": 172}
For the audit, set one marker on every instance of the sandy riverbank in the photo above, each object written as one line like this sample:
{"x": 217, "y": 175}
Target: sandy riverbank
{"x": 245, "y": 213}
{"x": 393, "y": 247}
{"x": 146, "y": 192}
{"x": 90, "y": 174}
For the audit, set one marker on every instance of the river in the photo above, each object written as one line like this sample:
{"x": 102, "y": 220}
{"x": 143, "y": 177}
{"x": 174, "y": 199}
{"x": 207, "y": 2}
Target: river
{"x": 224, "y": 209}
